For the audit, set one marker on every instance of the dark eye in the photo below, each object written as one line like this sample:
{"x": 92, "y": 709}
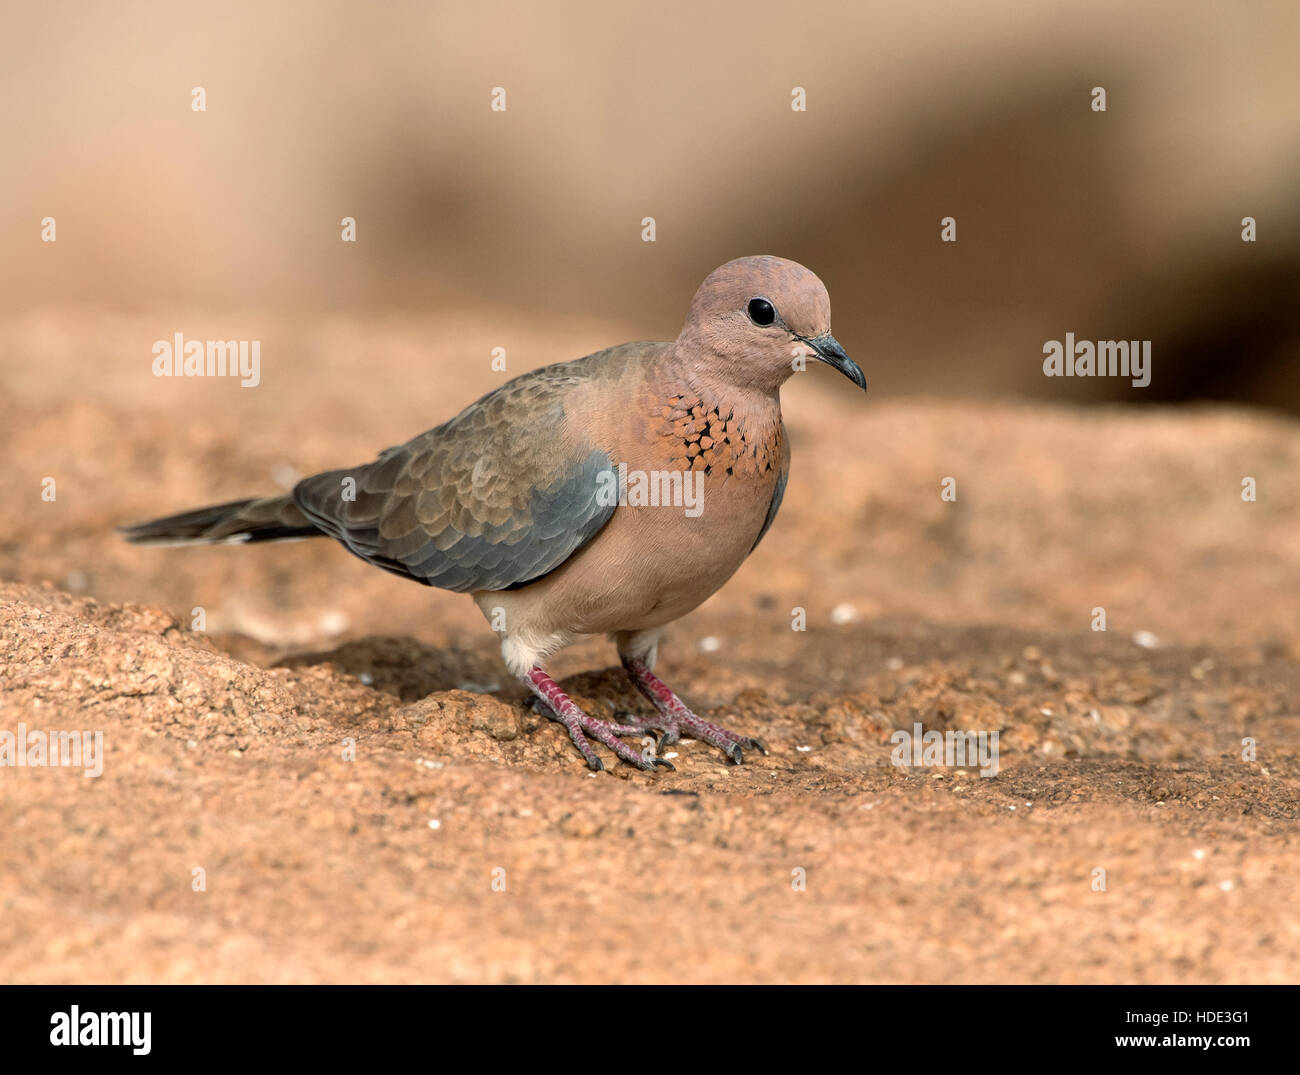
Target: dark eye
{"x": 761, "y": 312}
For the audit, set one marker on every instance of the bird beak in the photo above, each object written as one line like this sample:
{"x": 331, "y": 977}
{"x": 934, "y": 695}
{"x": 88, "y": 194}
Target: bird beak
{"x": 828, "y": 349}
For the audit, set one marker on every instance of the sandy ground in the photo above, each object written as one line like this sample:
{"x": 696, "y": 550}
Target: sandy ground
{"x": 466, "y": 842}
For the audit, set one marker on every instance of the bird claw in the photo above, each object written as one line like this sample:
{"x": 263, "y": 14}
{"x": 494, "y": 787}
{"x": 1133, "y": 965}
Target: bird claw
{"x": 734, "y": 749}
{"x": 733, "y": 746}
{"x": 673, "y": 721}
{"x": 579, "y": 725}
{"x": 676, "y": 719}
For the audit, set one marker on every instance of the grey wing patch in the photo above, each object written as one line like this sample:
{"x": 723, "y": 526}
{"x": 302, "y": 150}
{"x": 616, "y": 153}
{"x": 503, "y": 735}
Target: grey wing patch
{"x": 777, "y": 495}
{"x": 396, "y": 521}
{"x": 564, "y": 520}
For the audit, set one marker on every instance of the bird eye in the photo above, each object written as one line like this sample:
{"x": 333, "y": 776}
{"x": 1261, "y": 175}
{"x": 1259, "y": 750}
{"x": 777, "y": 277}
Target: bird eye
{"x": 761, "y": 312}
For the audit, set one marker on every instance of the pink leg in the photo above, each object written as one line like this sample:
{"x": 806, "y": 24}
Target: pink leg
{"x": 677, "y": 719}
{"x": 560, "y": 707}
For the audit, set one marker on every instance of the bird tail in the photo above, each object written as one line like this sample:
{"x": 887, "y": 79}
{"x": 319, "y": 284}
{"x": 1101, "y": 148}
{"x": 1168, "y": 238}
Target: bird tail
{"x": 275, "y": 518}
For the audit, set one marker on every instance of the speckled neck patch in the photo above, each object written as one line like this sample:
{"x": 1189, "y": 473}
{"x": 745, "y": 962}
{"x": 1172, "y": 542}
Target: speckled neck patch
{"x": 714, "y": 440}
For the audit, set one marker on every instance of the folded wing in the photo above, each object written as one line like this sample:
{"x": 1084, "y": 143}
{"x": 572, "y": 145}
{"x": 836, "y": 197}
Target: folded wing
{"x": 499, "y": 496}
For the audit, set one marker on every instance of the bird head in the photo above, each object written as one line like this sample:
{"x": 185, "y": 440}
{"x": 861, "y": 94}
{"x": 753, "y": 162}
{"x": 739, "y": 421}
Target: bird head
{"x": 755, "y": 320}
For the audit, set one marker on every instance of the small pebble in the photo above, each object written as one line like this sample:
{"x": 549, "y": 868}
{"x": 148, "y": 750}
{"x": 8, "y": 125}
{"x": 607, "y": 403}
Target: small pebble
{"x": 842, "y": 614}
{"x": 333, "y": 623}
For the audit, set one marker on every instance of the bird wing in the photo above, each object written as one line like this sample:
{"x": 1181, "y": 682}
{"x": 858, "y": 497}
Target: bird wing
{"x": 499, "y": 496}
{"x": 778, "y": 494}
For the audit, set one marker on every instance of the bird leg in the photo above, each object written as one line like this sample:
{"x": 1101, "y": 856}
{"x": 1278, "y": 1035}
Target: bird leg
{"x": 675, "y": 719}
{"x": 558, "y": 706}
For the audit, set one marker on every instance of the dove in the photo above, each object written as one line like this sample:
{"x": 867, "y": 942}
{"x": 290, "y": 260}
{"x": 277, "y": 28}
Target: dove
{"x": 610, "y": 495}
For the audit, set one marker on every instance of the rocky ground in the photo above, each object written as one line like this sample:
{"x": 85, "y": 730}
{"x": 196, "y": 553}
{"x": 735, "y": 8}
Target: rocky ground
{"x": 368, "y": 799}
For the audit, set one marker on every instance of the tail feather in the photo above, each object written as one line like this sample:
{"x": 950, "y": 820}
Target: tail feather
{"x": 275, "y": 518}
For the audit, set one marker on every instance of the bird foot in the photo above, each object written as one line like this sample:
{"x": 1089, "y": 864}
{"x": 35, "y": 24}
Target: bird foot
{"x": 554, "y": 704}
{"x": 676, "y": 719}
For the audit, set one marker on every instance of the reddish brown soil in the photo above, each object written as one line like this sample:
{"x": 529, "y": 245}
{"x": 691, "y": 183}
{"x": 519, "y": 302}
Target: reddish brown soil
{"x": 225, "y": 748}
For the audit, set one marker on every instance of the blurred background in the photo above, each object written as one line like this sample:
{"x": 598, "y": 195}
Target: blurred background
{"x": 1123, "y": 224}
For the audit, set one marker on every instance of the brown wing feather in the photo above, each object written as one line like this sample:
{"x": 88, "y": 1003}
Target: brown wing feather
{"x": 500, "y": 495}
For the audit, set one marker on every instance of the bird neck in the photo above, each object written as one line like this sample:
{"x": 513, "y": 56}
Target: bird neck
{"x": 721, "y": 381}
{"x": 694, "y": 406}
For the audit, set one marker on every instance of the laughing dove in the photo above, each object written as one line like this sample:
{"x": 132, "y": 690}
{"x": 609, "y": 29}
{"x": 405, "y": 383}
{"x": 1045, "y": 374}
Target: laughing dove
{"x": 608, "y": 495}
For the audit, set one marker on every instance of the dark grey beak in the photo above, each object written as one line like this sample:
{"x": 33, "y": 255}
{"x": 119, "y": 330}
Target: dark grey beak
{"x": 829, "y": 351}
